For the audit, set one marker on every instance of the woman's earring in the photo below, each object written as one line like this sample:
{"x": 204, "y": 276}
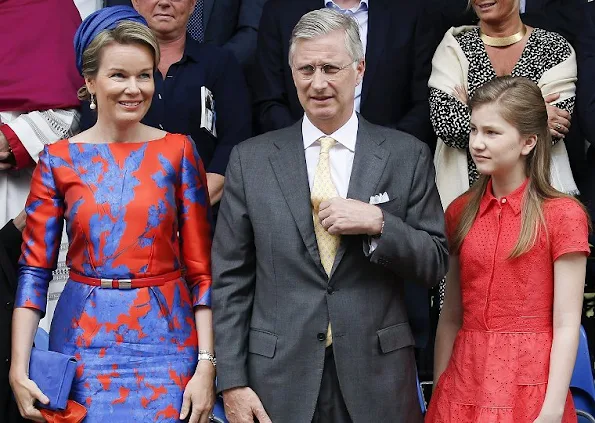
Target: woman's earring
{"x": 92, "y": 106}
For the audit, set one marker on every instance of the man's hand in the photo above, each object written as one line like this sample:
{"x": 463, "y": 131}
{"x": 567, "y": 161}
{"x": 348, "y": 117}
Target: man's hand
{"x": 242, "y": 405}
{"x": 341, "y": 216}
{"x": 558, "y": 120}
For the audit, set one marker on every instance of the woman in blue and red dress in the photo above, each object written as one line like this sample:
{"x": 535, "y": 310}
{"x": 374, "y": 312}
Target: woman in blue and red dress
{"x": 136, "y": 207}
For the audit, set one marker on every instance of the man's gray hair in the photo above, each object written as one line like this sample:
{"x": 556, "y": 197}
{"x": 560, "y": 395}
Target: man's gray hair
{"x": 322, "y": 22}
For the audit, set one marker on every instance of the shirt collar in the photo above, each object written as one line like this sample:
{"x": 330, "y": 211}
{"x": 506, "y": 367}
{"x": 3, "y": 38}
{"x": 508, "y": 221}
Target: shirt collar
{"x": 346, "y": 135}
{"x": 363, "y": 5}
{"x": 514, "y": 199}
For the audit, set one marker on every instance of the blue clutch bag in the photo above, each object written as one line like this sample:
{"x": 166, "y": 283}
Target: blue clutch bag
{"x": 53, "y": 373}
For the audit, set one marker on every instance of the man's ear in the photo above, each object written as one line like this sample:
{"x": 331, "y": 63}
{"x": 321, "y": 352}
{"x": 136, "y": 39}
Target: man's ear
{"x": 361, "y": 69}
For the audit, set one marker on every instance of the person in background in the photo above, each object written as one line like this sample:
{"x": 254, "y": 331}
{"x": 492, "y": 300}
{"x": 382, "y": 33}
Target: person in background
{"x": 231, "y": 24}
{"x": 38, "y": 85}
{"x": 136, "y": 208}
{"x": 187, "y": 68}
{"x": 503, "y": 353}
{"x": 569, "y": 19}
{"x": 320, "y": 226}
{"x": 398, "y": 42}
{"x": 10, "y": 250}
{"x": 38, "y": 102}
{"x": 467, "y": 58}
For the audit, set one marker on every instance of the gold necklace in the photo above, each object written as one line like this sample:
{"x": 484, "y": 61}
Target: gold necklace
{"x": 503, "y": 41}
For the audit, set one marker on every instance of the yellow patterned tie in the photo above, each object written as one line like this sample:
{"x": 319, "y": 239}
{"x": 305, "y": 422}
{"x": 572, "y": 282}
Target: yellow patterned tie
{"x": 324, "y": 189}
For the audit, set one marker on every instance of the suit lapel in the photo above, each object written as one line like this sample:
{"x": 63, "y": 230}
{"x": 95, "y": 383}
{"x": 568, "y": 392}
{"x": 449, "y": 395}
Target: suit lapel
{"x": 206, "y": 12}
{"x": 289, "y": 165}
{"x": 368, "y": 166}
{"x": 378, "y": 27}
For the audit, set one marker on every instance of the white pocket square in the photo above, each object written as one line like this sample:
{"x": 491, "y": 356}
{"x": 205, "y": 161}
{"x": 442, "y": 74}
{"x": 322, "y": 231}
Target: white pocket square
{"x": 379, "y": 198}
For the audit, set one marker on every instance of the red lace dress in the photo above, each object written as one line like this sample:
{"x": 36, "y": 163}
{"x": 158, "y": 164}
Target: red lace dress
{"x": 498, "y": 371}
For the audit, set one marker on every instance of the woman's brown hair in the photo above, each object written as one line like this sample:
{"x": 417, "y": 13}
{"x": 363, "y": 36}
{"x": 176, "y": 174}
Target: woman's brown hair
{"x": 521, "y": 104}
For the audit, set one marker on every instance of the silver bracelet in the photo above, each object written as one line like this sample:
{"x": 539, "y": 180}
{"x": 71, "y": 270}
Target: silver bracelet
{"x": 207, "y": 355}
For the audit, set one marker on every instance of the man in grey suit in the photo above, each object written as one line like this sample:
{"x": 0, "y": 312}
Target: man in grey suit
{"x": 309, "y": 317}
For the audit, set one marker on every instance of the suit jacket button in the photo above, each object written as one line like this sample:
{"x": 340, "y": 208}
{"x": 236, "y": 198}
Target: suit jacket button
{"x": 8, "y": 305}
{"x": 330, "y": 290}
{"x": 321, "y": 336}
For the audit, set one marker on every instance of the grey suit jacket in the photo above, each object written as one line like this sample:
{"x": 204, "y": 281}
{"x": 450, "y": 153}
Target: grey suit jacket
{"x": 272, "y": 300}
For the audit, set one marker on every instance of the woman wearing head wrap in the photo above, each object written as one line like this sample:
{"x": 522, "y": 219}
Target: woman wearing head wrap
{"x": 136, "y": 207}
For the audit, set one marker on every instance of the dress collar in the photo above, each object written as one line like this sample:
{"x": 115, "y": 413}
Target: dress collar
{"x": 514, "y": 199}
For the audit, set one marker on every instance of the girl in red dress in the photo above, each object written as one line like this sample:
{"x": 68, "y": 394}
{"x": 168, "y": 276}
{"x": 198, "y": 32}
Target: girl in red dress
{"x": 508, "y": 333}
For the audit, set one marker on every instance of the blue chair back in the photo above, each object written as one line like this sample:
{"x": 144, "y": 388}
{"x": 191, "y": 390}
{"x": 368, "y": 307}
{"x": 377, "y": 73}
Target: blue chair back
{"x": 420, "y": 397}
{"x": 582, "y": 386}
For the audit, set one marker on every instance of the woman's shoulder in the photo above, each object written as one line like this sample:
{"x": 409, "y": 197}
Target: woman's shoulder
{"x": 563, "y": 209}
{"x": 464, "y": 33}
{"x": 550, "y": 36}
{"x": 551, "y": 44}
{"x": 57, "y": 148}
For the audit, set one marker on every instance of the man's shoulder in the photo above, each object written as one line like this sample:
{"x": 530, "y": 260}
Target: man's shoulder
{"x": 396, "y": 141}
{"x": 265, "y": 143}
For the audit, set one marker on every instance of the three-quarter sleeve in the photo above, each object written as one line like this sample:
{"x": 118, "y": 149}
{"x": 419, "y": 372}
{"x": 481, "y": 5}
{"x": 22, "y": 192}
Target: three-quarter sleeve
{"x": 41, "y": 237}
{"x": 194, "y": 217}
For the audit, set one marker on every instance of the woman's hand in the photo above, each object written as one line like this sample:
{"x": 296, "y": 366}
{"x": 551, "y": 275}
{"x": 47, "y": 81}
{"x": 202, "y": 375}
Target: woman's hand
{"x": 199, "y": 395}
{"x": 26, "y": 392}
{"x": 558, "y": 120}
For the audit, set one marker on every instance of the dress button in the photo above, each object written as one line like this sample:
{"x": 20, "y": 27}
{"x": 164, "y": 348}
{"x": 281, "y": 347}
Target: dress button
{"x": 330, "y": 290}
{"x": 504, "y": 201}
{"x": 321, "y": 336}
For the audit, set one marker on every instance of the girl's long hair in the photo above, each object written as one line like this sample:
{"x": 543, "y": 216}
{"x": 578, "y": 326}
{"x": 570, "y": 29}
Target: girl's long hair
{"x": 521, "y": 104}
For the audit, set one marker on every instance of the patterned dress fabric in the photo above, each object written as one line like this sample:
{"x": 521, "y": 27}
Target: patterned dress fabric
{"x": 450, "y": 118}
{"x": 499, "y": 367}
{"x": 132, "y": 210}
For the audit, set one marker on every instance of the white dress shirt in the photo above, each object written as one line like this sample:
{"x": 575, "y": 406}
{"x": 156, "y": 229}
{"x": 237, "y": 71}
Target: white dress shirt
{"x": 360, "y": 14}
{"x": 522, "y": 8}
{"x": 340, "y": 155}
